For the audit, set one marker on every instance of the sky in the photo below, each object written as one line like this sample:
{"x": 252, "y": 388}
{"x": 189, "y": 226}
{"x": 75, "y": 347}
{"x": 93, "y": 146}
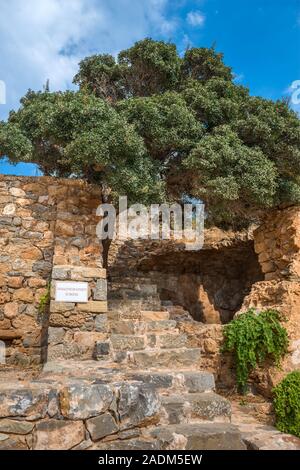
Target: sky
{"x": 46, "y": 39}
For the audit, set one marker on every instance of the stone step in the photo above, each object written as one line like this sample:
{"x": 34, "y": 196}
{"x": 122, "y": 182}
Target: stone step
{"x": 160, "y": 358}
{"x": 186, "y": 381}
{"x": 132, "y": 295}
{"x": 198, "y": 436}
{"x": 178, "y": 313}
{"x": 191, "y": 407}
{"x": 121, "y": 342}
{"x": 148, "y": 315}
{"x": 131, "y": 305}
{"x": 131, "y": 327}
{"x": 138, "y": 315}
{"x": 145, "y": 288}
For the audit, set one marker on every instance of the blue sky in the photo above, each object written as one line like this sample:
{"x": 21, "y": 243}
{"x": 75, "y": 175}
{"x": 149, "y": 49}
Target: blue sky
{"x": 41, "y": 39}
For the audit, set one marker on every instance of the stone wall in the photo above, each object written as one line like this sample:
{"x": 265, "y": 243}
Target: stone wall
{"x": 277, "y": 242}
{"x": 45, "y": 223}
{"x": 232, "y": 273}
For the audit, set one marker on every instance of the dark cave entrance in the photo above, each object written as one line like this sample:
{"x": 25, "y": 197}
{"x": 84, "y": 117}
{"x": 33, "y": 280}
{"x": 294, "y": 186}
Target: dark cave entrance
{"x": 211, "y": 284}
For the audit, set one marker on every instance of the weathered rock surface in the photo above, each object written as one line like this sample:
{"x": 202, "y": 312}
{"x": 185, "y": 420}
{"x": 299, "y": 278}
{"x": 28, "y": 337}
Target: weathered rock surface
{"x": 58, "y": 435}
{"x": 101, "y": 426}
{"x": 199, "y": 436}
{"x": 80, "y": 401}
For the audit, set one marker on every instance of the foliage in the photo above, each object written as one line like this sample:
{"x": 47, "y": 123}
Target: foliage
{"x": 253, "y": 337}
{"x": 44, "y": 300}
{"x": 149, "y": 67}
{"x": 74, "y": 133}
{"x": 156, "y": 126}
{"x": 287, "y": 404}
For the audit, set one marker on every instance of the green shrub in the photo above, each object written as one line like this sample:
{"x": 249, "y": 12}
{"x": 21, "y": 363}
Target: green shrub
{"x": 44, "y": 301}
{"x": 287, "y": 404}
{"x": 253, "y": 337}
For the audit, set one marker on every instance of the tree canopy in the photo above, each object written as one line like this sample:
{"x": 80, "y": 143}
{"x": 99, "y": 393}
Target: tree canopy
{"x": 155, "y": 126}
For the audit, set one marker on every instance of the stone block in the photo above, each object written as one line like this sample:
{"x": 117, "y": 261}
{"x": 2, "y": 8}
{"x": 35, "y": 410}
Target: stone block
{"x": 101, "y": 323}
{"x": 9, "y": 335}
{"x": 32, "y": 253}
{"x": 138, "y": 405}
{"x": 24, "y": 294}
{"x": 43, "y": 268}
{"x": 100, "y": 291}
{"x": 58, "y": 307}
{"x": 82, "y": 401}
{"x": 212, "y": 436}
{"x": 199, "y": 381}
{"x": 15, "y": 282}
{"x": 31, "y": 403}
{"x": 9, "y": 209}
{"x": 171, "y": 340}
{"x": 12, "y": 426}
{"x": 12, "y": 443}
{"x": 154, "y": 316}
{"x": 93, "y": 306}
{"x": 73, "y": 321}
{"x": 36, "y": 282}
{"x": 128, "y": 445}
{"x": 102, "y": 349}
{"x": 11, "y": 309}
{"x": 181, "y": 408}
{"x": 17, "y": 192}
{"x": 64, "y": 229}
{"x": 166, "y": 358}
{"x": 87, "y": 339}
{"x": 81, "y": 273}
{"x": 55, "y": 335}
{"x": 156, "y": 380}
{"x": 127, "y": 342}
{"x": 61, "y": 272}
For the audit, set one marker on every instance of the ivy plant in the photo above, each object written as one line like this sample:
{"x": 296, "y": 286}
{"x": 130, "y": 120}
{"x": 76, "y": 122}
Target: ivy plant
{"x": 252, "y": 337}
{"x": 287, "y": 404}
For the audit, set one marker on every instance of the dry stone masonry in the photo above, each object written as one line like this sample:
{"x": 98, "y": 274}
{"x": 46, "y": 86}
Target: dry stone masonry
{"x": 46, "y": 225}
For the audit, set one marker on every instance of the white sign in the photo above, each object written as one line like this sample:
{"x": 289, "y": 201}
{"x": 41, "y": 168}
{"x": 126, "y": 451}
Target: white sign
{"x": 66, "y": 291}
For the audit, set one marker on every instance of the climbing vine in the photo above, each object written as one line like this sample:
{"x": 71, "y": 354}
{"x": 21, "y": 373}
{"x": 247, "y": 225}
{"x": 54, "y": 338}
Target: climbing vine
{"x": 253, "y": 337}
{"x": 287, "y": 404}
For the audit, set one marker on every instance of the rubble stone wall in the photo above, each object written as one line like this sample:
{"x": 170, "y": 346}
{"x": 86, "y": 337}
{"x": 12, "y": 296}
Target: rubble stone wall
{"x": 44, "y": 223}
{"x": 210, "y": 283}
{"x": 78, "y": 415}
{"x": 277, "y": 242}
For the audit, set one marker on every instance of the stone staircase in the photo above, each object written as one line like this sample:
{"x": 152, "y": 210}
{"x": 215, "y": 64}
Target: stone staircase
{"x": 146, "y": 391}
{"x": 142, "y": 334}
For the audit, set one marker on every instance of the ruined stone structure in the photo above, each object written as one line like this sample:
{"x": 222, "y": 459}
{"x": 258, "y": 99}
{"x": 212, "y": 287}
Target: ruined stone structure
{"x": 133, "y": 367}
{"x": 211, "y": 283}
{"x": 277, "y": 242}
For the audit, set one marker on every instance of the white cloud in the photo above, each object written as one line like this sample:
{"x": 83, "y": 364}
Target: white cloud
{"x": 195, "y": 18}
{"x": 41, "y": 39}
